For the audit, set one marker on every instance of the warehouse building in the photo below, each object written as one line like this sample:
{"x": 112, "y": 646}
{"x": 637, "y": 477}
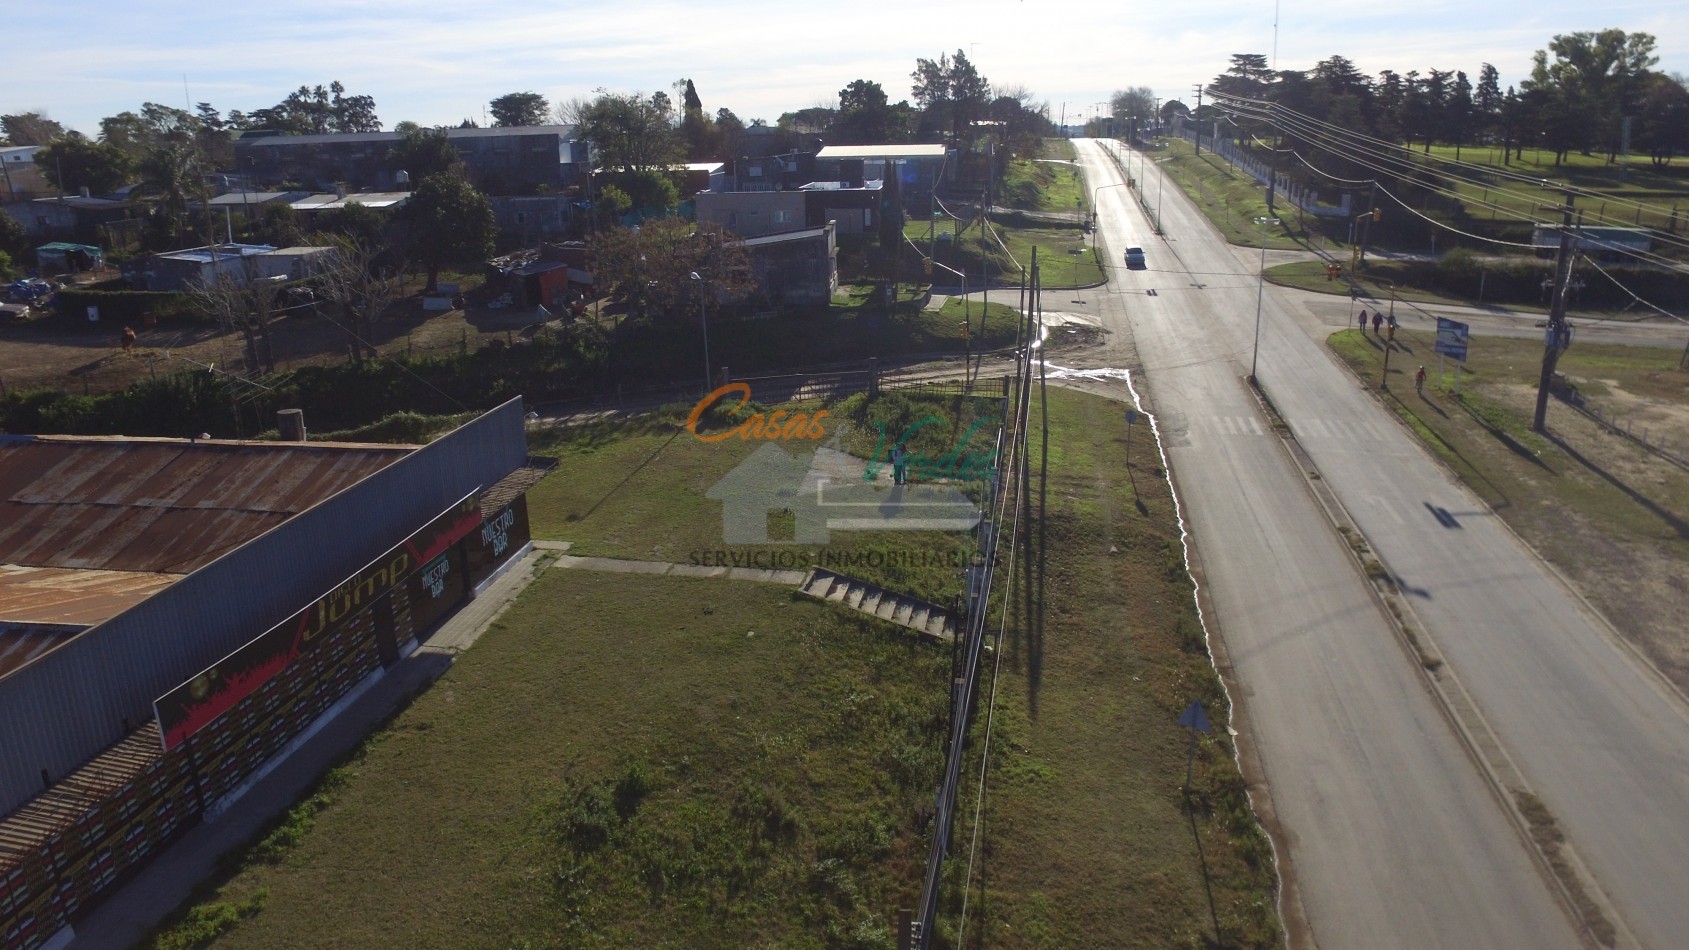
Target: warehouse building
{"x": 174, "y": 614}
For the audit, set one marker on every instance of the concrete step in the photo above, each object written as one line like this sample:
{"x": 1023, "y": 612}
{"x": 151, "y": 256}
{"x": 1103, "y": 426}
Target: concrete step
{"x": 911, "y": 612}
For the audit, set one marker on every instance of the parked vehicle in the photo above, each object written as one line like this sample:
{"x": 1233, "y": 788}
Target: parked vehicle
{"x": 30, "y": 289}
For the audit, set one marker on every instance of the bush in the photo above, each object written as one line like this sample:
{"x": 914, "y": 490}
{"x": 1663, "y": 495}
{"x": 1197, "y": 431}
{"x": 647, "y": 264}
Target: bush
{"x": 125, "y": 307}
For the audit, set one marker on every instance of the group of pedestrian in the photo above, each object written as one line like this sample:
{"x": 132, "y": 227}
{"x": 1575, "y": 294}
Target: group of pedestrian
{"x": 1378, "y": 320}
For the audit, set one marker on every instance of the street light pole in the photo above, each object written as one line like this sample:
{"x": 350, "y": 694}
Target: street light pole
{"x": 1260, "y": 290}
{"x": 706, "y": 327}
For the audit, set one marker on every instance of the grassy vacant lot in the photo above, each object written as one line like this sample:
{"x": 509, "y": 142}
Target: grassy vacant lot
{"x": 654, "y": 761}
{"x": 1610, "y": 514}
{"x": 1042, "y": 185}
{"x": 1065, "y": 256}
{"x": 624, "y": 761}
{"x": 639, "y": 489}
{"x": 1086, "y": 839}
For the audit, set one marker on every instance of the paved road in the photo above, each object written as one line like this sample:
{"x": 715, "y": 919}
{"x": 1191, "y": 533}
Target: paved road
{"x": 1394, "y": 838}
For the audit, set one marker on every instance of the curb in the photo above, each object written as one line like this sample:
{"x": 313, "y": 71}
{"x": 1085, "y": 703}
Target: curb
{"x": 1471, "y": 729}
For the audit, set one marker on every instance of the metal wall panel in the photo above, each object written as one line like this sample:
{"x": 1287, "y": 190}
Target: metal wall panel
{"x": 70, "y": 704}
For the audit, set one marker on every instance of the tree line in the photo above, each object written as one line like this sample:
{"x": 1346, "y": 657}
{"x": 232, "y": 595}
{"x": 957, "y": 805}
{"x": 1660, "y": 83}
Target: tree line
{"x": 1588, "y": 92}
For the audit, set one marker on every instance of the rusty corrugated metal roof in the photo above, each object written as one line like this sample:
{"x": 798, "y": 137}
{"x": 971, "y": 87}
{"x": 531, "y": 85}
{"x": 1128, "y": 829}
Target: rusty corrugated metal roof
{"x": 152, "y": 505}
{"x": 57, "y": 595}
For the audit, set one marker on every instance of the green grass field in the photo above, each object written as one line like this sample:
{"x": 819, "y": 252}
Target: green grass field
{"x": 626, "y": 760}
{"x": 1230, "y": 199}
{"x": 1042, "y": 186}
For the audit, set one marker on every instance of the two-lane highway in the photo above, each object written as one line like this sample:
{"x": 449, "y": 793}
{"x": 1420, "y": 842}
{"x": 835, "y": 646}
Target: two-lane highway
{"x": 1395, "y": 839}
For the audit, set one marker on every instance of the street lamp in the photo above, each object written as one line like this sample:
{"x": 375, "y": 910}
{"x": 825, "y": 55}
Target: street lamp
{"x": 1260, "y": 289}
{"x": 699, "y": 287}
{"x": 1096, "y": 217}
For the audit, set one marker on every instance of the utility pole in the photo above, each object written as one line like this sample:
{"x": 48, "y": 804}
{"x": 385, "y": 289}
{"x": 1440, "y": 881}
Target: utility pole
{"x": 1197, "y": 119}
{"x": 1559, "y": 335}
{"x": 1367, "y": 219}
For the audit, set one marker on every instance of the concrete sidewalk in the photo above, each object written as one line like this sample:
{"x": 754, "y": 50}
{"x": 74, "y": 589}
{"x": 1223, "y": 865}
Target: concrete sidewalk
{"x": 124, "y": 918}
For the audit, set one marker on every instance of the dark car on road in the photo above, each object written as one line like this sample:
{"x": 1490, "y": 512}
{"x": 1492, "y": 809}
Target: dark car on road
{"x": 1135, "y": 257}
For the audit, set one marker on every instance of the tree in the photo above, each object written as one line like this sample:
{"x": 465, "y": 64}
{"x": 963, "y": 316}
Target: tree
{"x": 448, "y": 221}
{"x": 239, "y": 299}
{"x": 652, "y": 267}
{"x": 1459, "y": 110}
{"x": 96, "y": 166}
{"x": 951, "y": 87}
{"x": 363, "y": 281}
{"x": 864, "y": 117}
{"x": 1593, "y": 80}
{"x": 629, "y": 131}
{"x": 1132, "y": 108}
{"x": 520, "y": 108}
{"x": 318, "y": 110}
{"x": 1247, "y": 77}
{"x": 423, "y": 153}
{"x": 1487, "y": 99}
{"x": 14, "y": 240}
{"x": 30, "y": 128}
{"x": 170, "y": 172}
{"x": 649, "y": 190}
{"x": 1664, "y": 129}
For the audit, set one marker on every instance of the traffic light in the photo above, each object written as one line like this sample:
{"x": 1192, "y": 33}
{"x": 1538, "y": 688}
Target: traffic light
{"x": 1377, "y": 213}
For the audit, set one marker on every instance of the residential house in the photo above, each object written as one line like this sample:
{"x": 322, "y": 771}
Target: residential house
{"x": 513, "y": 160}
{"x": 753, "y": 213}
{"x": 20, "y": 177}
{"x": 920, "y": 169}
{"x": 196, "y": 266}
{"x": 530, "y": 219}
{"x": 851, "y": 206}
{"x": 68, "y": 217}
{"x": 797, "y": 269}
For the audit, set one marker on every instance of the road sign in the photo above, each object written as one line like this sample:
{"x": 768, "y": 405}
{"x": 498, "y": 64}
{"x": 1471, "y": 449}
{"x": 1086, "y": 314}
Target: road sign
{"x": 1131, "y": 416}
{"x": 1451, "y": 339}
{"x": 1194, "y": 718}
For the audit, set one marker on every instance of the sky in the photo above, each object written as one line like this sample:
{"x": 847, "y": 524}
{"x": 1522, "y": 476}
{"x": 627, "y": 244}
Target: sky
{"x": 437, "y": 63}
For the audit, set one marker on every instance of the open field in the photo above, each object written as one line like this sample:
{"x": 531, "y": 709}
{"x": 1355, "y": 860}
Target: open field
{"x": 1609, "y": 513}
{"x": 639, "y": 490}
{"x": 1065, "y": 254}
{"x": 626, "y": 761}
{"x": 659, "y": 761}
{"x": 1043, "y": 185}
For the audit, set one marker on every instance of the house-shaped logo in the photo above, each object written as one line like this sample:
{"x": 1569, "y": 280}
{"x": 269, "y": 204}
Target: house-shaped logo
{"x": 827, "y": 491}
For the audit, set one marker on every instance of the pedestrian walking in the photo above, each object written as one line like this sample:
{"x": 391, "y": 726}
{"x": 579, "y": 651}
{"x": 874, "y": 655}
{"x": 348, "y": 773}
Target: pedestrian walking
{"x": 1363, "y": 319}
{"x": 897, "y": 466}
{"x": 1377, "y": 321}
{"x": 1419, "y": 381}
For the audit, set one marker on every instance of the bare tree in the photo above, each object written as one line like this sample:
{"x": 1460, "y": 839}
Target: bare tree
{"x": 241, "y": 300}
{"x": 362, "y": 282}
